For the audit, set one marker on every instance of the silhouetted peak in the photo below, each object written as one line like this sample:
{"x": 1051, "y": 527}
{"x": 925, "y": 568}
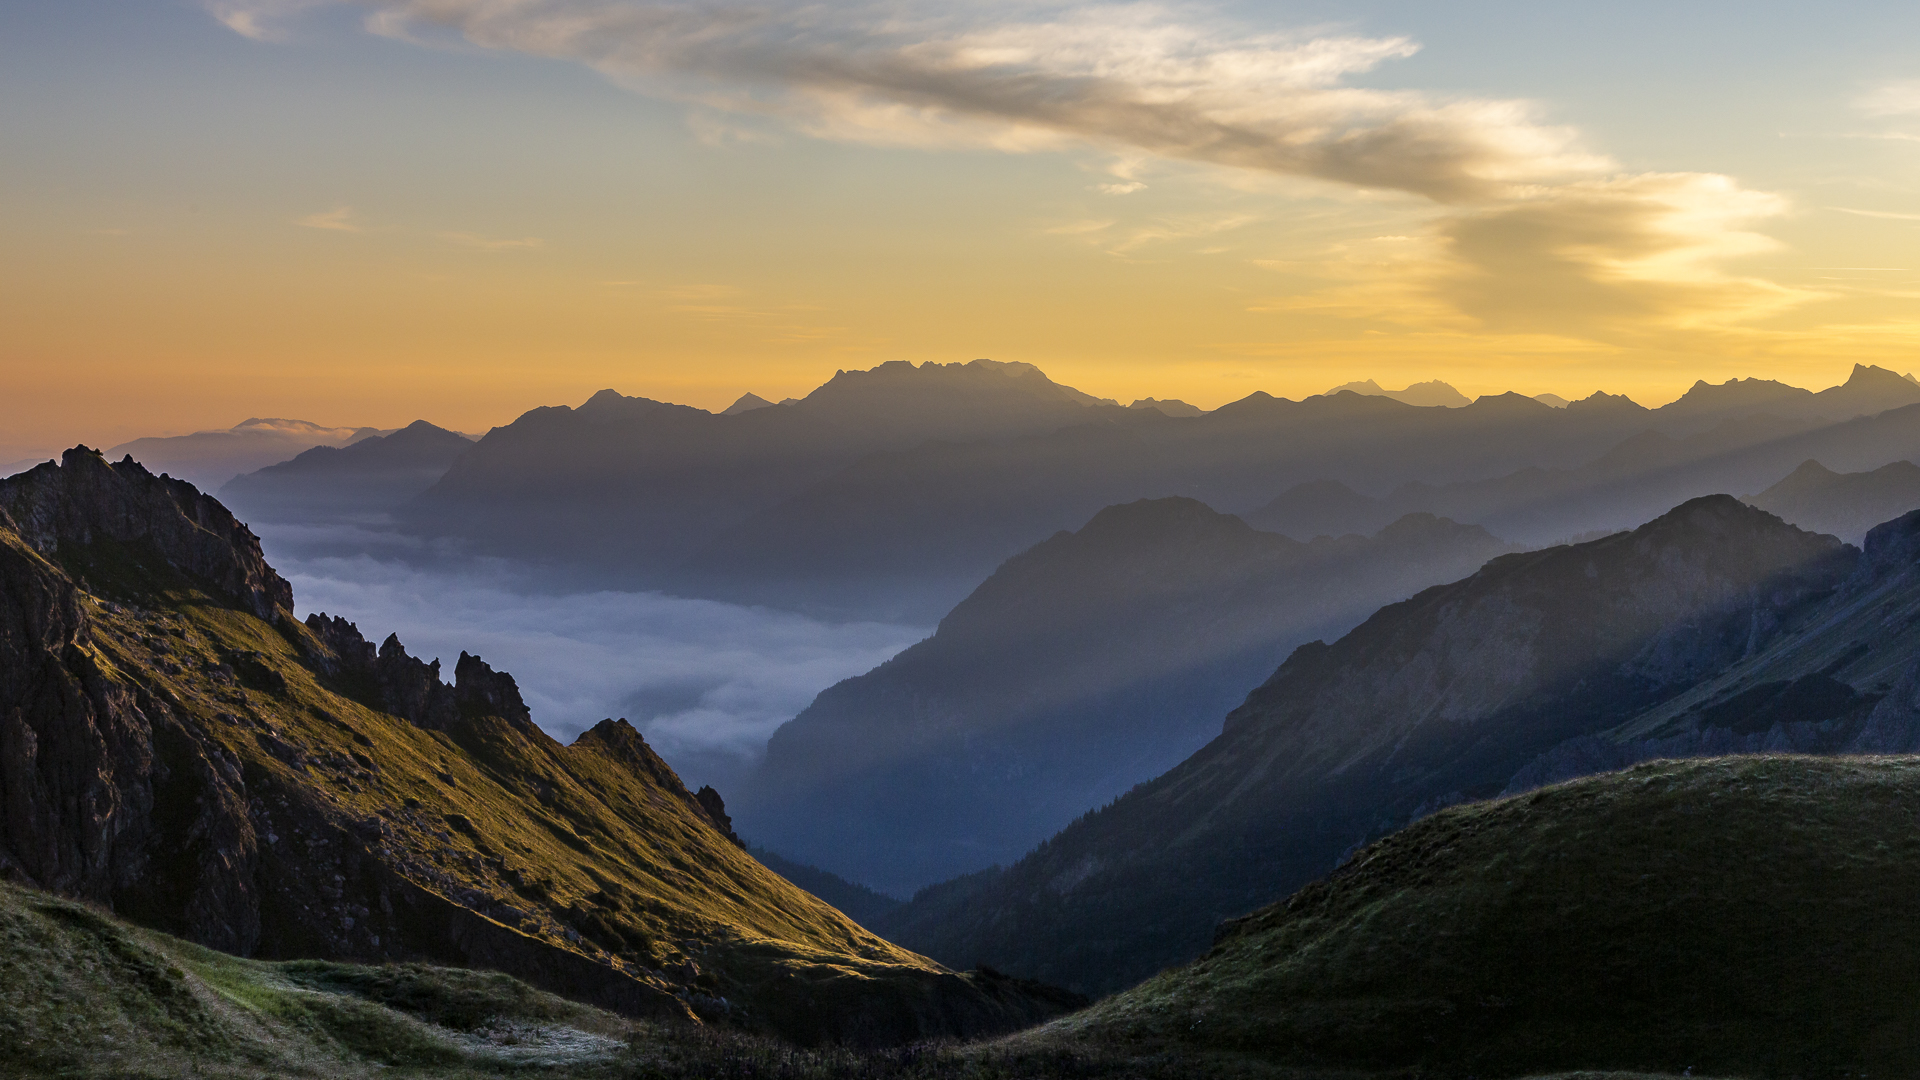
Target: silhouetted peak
{"x": 1421, "y": 528}
{"x": 746, "y": 403}
{"x": 481, "y": 691}
{"x": 1600, "y": 400}
{"x": 1168, "y": 517}
{"x": 1511, "y": 402}
{"x": 1168, "y": 406}
{"x": 1429, "y": 394}
{"x": 603, "y": 399}
{"x": 1873, "y": 376}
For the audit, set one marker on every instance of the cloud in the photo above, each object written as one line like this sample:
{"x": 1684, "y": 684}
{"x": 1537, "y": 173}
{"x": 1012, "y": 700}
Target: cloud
{"x": 1130, "y": 78}
{"x": 339, "y": 219}
{"x": 1615, "y": 259}
{"x": 1887, "y": 214}
{"x": 706, "y": 682}
{"x": 258, "y": 19}
{"x": 1898, "y": 98}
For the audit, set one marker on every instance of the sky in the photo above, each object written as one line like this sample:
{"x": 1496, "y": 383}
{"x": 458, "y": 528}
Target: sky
{"x": 369, "y": 212}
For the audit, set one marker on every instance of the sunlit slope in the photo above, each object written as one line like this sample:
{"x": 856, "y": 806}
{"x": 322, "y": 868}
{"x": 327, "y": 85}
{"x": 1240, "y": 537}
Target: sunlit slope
{"x": 207, "y": 766}
{"x": 1732, "y": 916}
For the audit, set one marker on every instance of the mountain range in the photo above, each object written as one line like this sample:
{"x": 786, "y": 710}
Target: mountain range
{"x": 209, "y": 459}
{"x": 364, "y": 480}
{"x": 1716, "y": 628}
{"x": 177, "y": 748}
{"x": 1094, "y": 661}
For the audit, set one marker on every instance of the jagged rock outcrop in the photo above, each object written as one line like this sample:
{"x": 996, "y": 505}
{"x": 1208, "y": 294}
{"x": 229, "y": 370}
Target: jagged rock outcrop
{"x": 84, "y": 499}
{"x": 716, "y": 809}
{"x": 176, "y": 747}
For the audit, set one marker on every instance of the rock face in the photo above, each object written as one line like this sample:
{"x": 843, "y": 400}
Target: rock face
{"x": 1437, "y": 700}
{"x": 84, "y": 500}
{"x": 175, "y": 746}
{"x": 1085, "y": 665}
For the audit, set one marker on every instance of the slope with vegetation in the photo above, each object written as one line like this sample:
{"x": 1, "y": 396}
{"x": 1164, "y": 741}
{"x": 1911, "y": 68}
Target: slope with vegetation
{"x": 1727, "y": 917}
{"x": 178, "y": 748}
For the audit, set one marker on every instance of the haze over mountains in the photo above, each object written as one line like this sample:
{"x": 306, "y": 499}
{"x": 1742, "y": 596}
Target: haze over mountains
{"x": 209, "y": 459}
{"x": 1085, "y": 665}
{"x": 1715, "y": 629}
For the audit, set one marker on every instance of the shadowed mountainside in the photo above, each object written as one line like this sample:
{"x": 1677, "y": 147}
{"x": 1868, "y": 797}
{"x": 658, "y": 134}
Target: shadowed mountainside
{"x": 373, "y": 476}
{"x": 1844, "y": 504}
{"x": 1734, "y": 917}
{"x": 1435, "y": 700}
{"x": 174, "y": 745}
{"x": 1090, "y": 663}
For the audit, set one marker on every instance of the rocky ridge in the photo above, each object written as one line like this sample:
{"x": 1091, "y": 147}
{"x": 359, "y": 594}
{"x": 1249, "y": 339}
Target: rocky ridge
{"x": 174, "y": 745}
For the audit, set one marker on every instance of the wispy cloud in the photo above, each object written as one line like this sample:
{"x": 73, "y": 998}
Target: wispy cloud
{"x": 1614, "y": 259}
{"x": 1888, "y": 214}
{"x": 339, "y": 219}
{"x": 1132, "y": 78}
{"x": 1897, "y": 98}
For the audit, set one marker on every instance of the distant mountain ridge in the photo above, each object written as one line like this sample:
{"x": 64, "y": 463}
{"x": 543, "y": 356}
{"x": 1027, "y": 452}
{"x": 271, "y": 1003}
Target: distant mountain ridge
{"x": 1090, "y": 663}
{"x": 209, "y": 459}
{"x": 1442, "y": 698}
{"x": 627, "y": 488}
{"x": 369, "y": 476}
{"x": 1845, "y": 504}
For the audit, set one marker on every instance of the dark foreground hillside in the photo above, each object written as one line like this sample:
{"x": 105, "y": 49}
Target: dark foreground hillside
{"x": 1726, "y": 917}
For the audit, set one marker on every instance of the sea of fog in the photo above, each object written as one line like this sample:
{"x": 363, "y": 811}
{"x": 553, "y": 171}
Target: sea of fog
{"x": 706, "y": 682}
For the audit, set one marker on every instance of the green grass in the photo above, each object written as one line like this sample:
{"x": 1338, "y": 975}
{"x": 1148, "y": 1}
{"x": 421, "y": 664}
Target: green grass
{"x": 83, "y": 995}
{"x": 1738, "y": 916}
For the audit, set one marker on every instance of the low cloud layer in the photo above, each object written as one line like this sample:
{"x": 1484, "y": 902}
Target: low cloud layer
{"x": 1130, "y": 78}
{"x": 706, "y": 682}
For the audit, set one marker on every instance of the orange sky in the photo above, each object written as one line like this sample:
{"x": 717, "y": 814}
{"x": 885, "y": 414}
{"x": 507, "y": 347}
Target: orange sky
{"x": 276, "y": 209}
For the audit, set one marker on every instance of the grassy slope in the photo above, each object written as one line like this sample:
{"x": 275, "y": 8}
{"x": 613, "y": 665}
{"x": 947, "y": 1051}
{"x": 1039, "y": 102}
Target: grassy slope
{"x": 82, "y": 994}
{"x": 565, "y": 845}
{"x": 1735, "y": 916}
{"x": 85, "y": 995}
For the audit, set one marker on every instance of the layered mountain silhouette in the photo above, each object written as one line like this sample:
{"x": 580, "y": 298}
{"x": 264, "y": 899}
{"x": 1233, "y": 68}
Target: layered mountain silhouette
{"x": 1085, "y": 665}
{"x": 179, "y": 749}
{"x": 362, "y": 480}
{"x": 1430, "y": 394}
{"x": 625, "y": 489}
{"x": 1844, "y": 504}
{"x": 937, "y": 517}
{"x": 209, "y": 459}
{"x": 891, "y": 493}
{"x": 1450, "y": 696}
